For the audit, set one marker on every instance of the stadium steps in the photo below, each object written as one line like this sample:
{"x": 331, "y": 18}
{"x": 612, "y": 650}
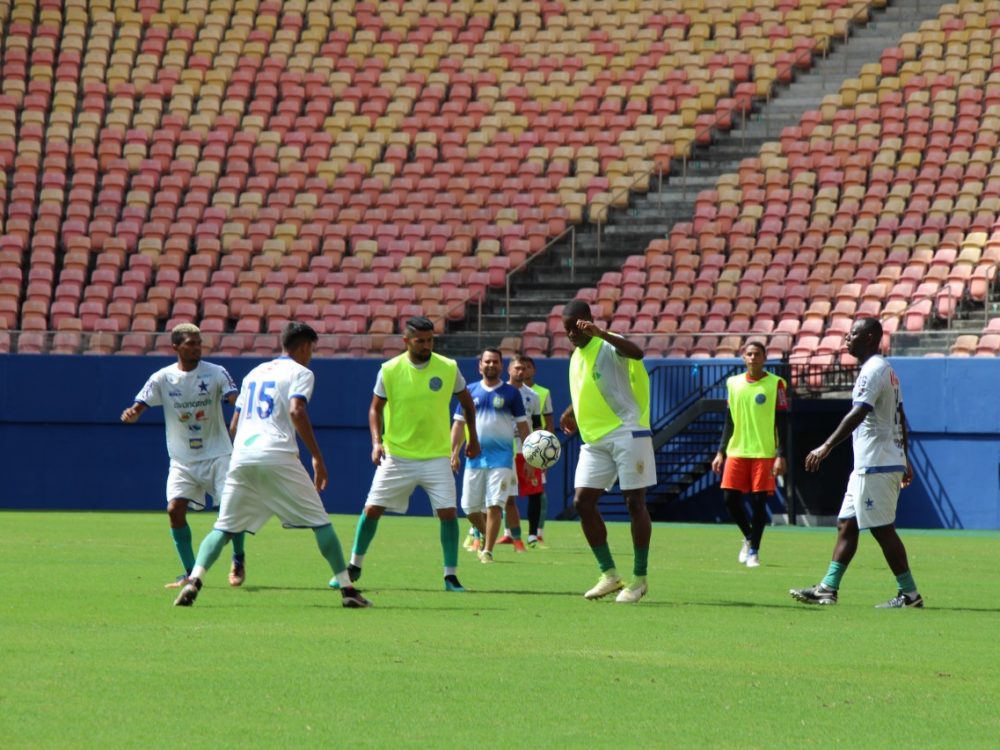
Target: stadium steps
{"x": 546, "y": 282}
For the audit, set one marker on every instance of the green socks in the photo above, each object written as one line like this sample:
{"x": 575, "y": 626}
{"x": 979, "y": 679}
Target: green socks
{"x": 329, "y": 545}
{"x": 641, "y": 562}
{"x": 182, "y": 541}
{"x": 906, "y": 583}
{"x": 239, "y": 542}
{"x": 604, "y": 559}
{"x": 211, "y": 547}
{"x": 449, "y": 542}
{"x": 834, "y": 574}
{"x": 365, "y": 533}
{"x": 515, "y": 532}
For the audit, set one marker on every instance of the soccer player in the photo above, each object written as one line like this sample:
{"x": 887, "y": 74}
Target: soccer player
{"x": 751, "y": 446}
{"x": 529, "y": 479}
{"x": 538, "y": 504}
{"x": 609, "y": 387}
{"x": 266, "y": 477}
{"x": 191, "y": 393}
{"x": 881, "y": 468}
{"x": 489, "y": 477}
{"x": 410, "y": 423}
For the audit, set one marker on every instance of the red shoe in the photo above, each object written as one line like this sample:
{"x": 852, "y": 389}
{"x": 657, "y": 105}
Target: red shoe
{"x": 505, "y": 539}
{"x": 519, "y": 546}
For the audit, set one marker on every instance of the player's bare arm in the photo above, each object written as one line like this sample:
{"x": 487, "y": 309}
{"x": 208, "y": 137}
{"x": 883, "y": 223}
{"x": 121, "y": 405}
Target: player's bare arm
{"x": 567, "y": 422}
{"x": 375, "y": 416}
{"x": 847, "y": 425}
{"x": 908, "y": 471}
{"x": 780, "y": 466}
{"x": 299, "y": 414}
{"x": 469, "y": 411}
{"x": 727, "y": 433}
{"x": 523, "y": 428}
{"x": 457, "y": 441}
{"x": 621, "y": 344}
{"x": 132, "y": 414}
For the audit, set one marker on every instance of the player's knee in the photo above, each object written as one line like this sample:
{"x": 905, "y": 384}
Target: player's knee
{"x": 177, "y": 511}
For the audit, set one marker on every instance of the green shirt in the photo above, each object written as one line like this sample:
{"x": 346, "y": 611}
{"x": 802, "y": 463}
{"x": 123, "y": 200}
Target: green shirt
{"x": 417, "y": 413}
{"x": 752, "y": 405}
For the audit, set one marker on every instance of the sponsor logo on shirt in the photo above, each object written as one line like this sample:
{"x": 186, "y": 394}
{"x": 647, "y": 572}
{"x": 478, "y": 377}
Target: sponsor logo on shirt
{"x": 202, "y": 386}
{"x": 194, "y": 443}
{"x": 174, "y": 394}
{"x": 760, "y": 398}
{"x": 498, "y": 402}
{"x": 435, "y": 383}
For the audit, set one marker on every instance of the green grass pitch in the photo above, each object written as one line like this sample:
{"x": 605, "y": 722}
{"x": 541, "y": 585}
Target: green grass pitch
{"x": 93, "y": 655}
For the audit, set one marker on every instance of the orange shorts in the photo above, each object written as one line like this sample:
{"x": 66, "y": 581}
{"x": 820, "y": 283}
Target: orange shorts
{"x": 748, "y": 474}
{"x": 529, "y": 479}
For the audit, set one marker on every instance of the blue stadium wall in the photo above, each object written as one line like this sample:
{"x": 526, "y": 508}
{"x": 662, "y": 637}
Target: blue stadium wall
{"x": 64, "y": 447}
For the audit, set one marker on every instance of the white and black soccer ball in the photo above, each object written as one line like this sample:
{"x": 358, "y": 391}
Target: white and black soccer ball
{"x": 541, "y": 449}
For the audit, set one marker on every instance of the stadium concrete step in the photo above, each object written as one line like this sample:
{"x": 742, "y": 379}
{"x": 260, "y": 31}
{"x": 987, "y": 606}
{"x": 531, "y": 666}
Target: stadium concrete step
{"x": 652, "y": 215}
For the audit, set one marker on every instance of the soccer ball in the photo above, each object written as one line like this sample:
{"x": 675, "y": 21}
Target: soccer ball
{"x": 541, "y": 449}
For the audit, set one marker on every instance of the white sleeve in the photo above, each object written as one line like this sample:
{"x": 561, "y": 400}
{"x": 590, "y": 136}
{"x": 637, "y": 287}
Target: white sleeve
{"x": 226, "y": 383}
{"x": 150, "y": 393}
{"x": 459, "y": 382}
{"x": 302, "y": 384}
{"x": 867, "y": 388}
{"x": 379, "y": 385}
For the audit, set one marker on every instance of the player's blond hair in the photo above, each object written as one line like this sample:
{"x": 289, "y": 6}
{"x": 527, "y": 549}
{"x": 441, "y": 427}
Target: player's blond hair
{"x": 181, "y": 330}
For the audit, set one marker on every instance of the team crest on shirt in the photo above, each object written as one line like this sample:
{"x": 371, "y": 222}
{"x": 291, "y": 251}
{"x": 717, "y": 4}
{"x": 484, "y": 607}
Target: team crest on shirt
{"x": 498, "y": 402}
{"x": 203, "y": 386}
{"x": 760, "y": 398}
{"x": 435, "y": 384}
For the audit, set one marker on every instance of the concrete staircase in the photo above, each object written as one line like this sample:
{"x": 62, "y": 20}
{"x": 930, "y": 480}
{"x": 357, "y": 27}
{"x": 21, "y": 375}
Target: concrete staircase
{"x": 554, "y": 278}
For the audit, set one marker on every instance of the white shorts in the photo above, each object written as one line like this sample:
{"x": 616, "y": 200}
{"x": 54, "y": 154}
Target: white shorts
{"x": 255, "y": 492}
{"x": 872, "y": 498}
{"x": 396, "y": 478}
{"x": 486, "y": 488}
{"x": 192, "y": 481}
{"x": 625, "y": 454}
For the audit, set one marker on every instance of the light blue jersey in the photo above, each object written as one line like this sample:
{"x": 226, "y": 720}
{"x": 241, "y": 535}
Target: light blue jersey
{"x": 498, "y": 409}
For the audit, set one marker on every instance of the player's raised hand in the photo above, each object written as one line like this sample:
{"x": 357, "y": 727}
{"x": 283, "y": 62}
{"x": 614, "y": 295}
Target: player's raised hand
{"x": 378, "y": 453}
{"x": 320, "y": 477}
{"x": 589, "y": 327}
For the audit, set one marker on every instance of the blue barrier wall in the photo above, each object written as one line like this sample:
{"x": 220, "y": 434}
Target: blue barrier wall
{"x": 64, "y": 447}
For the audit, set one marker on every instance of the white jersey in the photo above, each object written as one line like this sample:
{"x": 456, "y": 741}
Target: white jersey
{"x": 532, "y": 410}
{"x": 878, "y": 441}
{"x": 192, "y": 410}
{"x": 265, "y": 433}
